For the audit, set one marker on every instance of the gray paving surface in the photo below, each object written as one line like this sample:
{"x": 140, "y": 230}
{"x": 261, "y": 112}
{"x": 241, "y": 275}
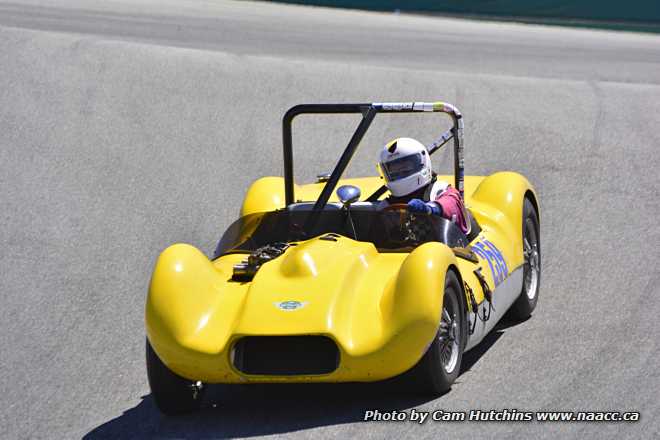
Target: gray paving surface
{"x": 127, "y": 126}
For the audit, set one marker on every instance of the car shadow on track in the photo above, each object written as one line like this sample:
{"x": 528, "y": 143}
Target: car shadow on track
{"x": 471, "y": 357}
{"x": 253, "y": 410}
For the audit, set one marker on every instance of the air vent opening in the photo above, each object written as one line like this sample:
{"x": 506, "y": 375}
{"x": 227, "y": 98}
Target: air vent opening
{"x": 285, "y": 355}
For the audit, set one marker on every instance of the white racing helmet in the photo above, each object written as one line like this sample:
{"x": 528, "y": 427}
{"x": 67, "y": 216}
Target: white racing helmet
{"x": 405, "y": 165}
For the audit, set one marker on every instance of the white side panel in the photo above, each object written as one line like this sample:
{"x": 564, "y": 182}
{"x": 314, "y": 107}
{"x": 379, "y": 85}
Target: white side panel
{"x": 503, "y": 297}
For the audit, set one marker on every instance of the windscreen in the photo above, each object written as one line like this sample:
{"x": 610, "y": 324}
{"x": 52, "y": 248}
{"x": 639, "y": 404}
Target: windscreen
{"x": 387, "y": 230}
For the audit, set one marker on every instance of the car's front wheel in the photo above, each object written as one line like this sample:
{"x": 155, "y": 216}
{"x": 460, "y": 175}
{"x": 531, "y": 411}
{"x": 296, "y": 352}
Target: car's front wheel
{"x": 172, "y": 393}
{"x": 439, "y": 367}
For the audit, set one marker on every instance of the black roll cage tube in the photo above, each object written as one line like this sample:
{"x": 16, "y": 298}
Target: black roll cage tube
{"x": 368, "y": 112}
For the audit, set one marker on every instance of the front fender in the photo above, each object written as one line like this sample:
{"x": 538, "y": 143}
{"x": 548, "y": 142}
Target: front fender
{"x": 412, "y": 304}
{"x": 185, "y": 295}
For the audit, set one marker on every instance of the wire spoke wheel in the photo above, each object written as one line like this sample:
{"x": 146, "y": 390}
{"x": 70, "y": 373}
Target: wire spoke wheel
{"x": 448, "y": 336}
{"x": 531, "y": 267}
{"x": 531, "y": 253}
{"x": 439, "y": 367}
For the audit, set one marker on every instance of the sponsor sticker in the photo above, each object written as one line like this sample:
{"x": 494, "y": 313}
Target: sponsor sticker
{"x": 487, "y": 250}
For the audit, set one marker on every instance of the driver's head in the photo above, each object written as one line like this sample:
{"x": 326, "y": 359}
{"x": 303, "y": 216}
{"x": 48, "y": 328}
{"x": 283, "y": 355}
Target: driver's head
{"x": 405, "y": 165}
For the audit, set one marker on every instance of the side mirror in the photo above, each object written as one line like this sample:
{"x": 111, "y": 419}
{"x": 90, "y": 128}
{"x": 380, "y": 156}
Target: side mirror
{"x": 348, "y": 194}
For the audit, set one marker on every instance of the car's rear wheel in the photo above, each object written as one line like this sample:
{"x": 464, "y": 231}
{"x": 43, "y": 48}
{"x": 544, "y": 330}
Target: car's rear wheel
{"x": 526, "y": 302}
{"x": 439, "y": 367}
{"x": 172, "y": 393}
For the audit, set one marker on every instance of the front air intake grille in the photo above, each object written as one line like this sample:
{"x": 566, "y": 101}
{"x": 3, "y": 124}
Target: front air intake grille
{"x": 285, "y": 355}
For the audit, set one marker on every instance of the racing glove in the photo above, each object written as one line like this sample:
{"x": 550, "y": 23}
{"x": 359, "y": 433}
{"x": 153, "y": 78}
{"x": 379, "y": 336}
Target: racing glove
{"x": 418, "y": 206}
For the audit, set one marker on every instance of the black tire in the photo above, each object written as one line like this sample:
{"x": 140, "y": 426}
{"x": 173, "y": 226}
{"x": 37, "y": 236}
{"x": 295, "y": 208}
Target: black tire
{"x": 529, "y": 295}
{"x": 439, "y": 368}
{"x": 173, "y": 394}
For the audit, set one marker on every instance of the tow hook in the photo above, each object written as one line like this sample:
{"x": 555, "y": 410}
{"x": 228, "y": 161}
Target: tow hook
{"x": 196, "y": 388}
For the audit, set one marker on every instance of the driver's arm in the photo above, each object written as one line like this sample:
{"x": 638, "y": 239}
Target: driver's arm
{"x": 417, "y": 205}
{"x": 452, "y": 208}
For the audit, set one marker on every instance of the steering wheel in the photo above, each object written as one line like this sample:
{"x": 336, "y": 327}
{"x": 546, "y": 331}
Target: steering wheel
{"x": 406, "y": 219}
{"x": 405, "y": 215}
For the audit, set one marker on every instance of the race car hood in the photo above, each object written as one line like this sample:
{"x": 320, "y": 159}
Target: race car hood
{"x": 372, "y": 305}
{"x": 313, "y": 288}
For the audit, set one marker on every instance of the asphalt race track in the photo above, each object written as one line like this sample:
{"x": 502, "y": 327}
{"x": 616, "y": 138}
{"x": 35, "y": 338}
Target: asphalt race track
{"x": 127, "y": 126}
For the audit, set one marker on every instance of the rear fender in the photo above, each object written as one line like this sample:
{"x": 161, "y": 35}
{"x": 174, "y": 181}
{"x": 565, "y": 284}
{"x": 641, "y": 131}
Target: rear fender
{"x": 498, "y": 205}
{"x": 265, "y": 194}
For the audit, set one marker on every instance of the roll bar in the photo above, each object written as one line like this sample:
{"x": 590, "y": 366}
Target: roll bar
{"x": 368, "y": 112}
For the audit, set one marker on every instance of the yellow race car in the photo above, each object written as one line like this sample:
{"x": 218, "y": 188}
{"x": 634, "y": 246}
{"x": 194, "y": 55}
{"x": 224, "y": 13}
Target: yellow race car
{"x": 314, "y": 284}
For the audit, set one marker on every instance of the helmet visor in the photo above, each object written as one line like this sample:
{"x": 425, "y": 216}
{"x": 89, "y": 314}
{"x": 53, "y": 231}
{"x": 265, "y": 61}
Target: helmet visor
{"x": 403, "y": 167}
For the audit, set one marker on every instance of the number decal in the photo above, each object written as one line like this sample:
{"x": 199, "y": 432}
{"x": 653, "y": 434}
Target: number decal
{"x": 487, "y": 250}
